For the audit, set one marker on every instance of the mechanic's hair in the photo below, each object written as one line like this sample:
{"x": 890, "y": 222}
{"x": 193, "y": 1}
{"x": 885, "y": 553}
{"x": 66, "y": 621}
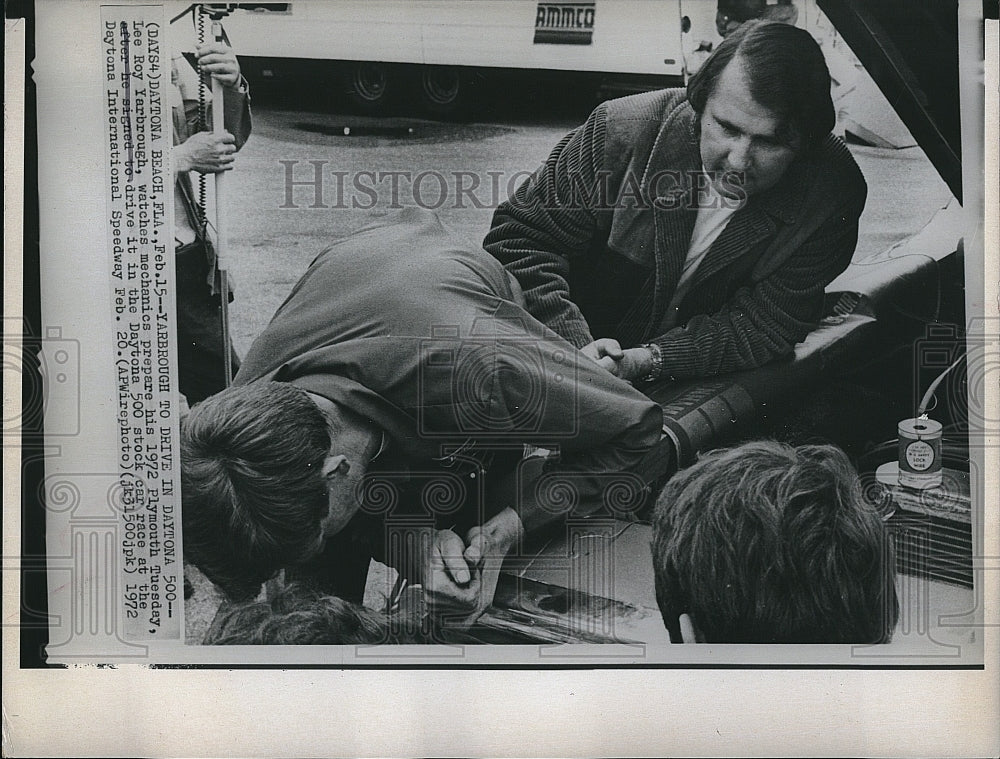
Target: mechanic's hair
{"x": 296, "y": 615}
{"x": 766, "y": 543}
{"x": 253, "y": 487}
{"x": 786, "y": 73}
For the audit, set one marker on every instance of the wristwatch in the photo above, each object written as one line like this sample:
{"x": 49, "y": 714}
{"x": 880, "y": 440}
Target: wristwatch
{"x": 657, "y": 368}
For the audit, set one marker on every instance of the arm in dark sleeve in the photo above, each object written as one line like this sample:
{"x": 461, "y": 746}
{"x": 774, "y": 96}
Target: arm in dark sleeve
{"x": 238, "y": 120}
{"x": 765, "y": 320}
{"x": 237, "y": 116}
{"x": 549, "y": 220}
{"x": 600, "y": 426}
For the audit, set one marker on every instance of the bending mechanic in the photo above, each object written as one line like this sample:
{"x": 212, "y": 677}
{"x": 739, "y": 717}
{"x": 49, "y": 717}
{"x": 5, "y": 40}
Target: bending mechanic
{"x": 384, "y": 413}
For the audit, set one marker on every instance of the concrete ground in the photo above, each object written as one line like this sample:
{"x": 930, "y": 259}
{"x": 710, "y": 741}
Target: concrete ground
{"x": 271, "y": 242}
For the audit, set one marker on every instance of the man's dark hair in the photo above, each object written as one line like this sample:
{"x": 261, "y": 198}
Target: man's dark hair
{"x": 299, "y": 616}
{"x": 252, "y": 483}
{"x": 766, "y": 543}
{"x": 786, "y": 73}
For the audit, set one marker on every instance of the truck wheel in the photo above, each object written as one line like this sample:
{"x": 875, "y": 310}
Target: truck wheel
{"x": 370, "y": 85}
{"x": 442, "y": 90}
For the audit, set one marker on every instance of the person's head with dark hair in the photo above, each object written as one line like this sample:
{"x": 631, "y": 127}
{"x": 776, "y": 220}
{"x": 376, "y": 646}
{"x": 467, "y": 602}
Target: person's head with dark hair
{"x": 299, "y": 616}
{"x": 766, "y": 543}
{"x": 256, "y": 476}
{"x": 763, "y": 98}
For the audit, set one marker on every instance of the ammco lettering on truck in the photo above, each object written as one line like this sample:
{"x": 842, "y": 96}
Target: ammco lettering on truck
{"x": 565, "y": 23}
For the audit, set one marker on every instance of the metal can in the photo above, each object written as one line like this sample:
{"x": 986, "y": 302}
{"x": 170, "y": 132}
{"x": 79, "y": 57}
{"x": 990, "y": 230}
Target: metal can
{"x": 920, "y": 453}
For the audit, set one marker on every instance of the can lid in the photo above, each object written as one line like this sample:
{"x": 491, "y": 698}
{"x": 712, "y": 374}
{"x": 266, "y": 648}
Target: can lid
{"x": 920, "y": 428}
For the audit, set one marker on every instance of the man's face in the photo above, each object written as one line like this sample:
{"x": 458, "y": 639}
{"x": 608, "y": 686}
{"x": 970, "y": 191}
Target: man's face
{"x": 343, "y": 495}
{"x": 342, "y": 499}
{"x": 743, "y": 146}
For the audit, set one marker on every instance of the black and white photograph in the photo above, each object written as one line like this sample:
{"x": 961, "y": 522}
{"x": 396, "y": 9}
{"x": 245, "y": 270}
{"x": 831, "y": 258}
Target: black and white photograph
{"x": 624, "y": 340}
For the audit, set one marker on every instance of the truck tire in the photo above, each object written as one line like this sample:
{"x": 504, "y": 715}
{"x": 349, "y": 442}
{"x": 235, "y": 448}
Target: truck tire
{"x": 370, "y": 85}
{"x": 442, "y": 90}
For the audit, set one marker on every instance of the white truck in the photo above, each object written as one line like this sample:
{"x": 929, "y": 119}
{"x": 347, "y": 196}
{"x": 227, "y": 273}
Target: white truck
{"x": 378, "y": 50}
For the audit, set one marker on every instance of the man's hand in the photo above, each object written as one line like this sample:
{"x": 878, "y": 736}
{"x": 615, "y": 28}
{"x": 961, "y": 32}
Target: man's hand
{"x": 461, "y": 580}
{"x": 630, "y": 364}
{"x": 495, "y": 538}
{"x": 205, "y": 152}
{"x": 488, "y": 547}
{"x": 606, "y": 352}
{"x": 218, "y": 60}
{"x": 636, "y": 363}
{"x": 449, "y": 583}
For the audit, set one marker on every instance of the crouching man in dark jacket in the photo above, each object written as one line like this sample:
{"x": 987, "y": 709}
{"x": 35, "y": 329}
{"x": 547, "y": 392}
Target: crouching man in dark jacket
{"x": 384, "y": 413}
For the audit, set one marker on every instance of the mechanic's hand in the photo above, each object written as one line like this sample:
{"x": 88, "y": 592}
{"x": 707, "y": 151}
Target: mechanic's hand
{"x": 219, "y": 60}
{"x": 460, "y": 581}
{"x": 205, "y": 152}
{"x": 606, "y": 352}
{"x": 487, "y": 549}
{"x": 450, "y": 585}
{"x": 493, "y": 539}
{"x": 635, "y": 364}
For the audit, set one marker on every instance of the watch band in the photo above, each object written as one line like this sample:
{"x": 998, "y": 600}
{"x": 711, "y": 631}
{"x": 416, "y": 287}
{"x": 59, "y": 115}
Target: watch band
{"x": 657, "y": 368}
